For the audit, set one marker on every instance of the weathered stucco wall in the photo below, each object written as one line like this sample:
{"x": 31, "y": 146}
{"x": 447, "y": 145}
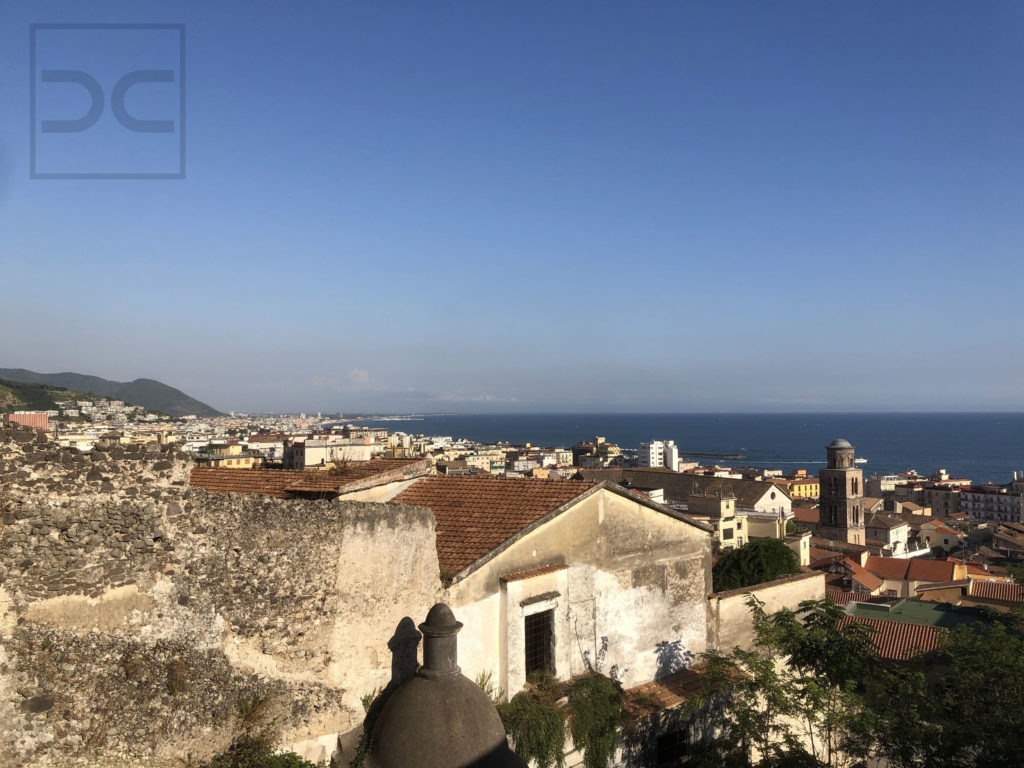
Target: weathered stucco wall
{"x": 731, "y": 620}
{"x": 141, "y": 619}
{"x": 632, "y": 603}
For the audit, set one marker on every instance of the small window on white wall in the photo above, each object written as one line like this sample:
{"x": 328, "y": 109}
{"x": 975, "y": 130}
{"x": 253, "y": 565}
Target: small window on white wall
{"x": 540, "y": 642}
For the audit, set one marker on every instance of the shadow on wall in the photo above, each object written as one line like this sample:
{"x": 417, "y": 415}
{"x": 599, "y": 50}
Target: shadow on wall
{"x": 672, "y": 657}
{"x": 403, "y": 645}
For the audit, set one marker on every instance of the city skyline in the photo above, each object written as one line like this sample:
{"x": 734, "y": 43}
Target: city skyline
{"x": 660, "y": 208}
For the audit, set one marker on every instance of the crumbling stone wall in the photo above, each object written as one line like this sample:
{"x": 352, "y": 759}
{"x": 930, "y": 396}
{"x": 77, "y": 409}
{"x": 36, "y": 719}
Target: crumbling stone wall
{"x": 142, "y": 620}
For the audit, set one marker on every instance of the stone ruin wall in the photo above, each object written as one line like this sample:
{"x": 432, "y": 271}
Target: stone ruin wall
{"x": 142, "y": 619}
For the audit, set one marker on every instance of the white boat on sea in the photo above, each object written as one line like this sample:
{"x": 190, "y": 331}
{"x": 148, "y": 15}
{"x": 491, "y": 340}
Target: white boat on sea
{"x": 860, "y": 461}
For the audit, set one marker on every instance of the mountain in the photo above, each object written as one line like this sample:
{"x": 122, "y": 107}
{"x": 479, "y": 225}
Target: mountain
{"x": 150, "y": 394}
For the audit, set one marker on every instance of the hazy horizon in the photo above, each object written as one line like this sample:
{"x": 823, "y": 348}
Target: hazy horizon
{"x": 516, "y": 208}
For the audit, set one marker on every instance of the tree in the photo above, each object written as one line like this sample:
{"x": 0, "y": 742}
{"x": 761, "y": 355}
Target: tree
{"x": 790, "y": 700}
{"x": 828, "y": 663}
{"x": 757, "y": 561}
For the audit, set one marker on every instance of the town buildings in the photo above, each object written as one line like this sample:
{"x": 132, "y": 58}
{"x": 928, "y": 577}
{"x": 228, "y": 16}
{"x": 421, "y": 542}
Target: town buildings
{"x": 1002, "y": 503}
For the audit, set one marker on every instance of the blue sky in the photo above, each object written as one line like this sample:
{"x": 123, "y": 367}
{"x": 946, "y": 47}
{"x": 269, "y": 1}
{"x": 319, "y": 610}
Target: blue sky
{"x": 465, "y": 206}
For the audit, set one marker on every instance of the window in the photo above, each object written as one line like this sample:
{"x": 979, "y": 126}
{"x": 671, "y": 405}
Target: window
{"x": 540, "y": 638}
{"x": 672, "y": 747}
{"x": 727, "y": 533}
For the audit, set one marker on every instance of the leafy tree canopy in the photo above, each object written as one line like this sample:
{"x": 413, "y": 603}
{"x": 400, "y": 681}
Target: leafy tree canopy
{"x": 758, "y": 561}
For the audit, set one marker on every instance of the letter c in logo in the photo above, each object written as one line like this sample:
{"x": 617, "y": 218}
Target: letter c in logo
{"x": 121, "y": 89}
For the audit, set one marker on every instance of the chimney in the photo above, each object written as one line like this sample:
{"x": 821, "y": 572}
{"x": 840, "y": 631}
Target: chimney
{"x": 440, "y": 644}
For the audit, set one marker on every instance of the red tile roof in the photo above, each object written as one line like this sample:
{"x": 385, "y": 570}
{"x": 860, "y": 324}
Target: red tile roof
{"x": 841, "y": 597}
{"x": 287, "y": 483}
{"x": 898, "y": 569}
{"x": 544, "y": 569}
{"x": 326, "y": 481}
{"x": 272, "y": 438}
{"x": 898, "y": 640}
{"x": 862, "y": 576}
{"x": 266, "y": 482}
{"x": 931, "y": 570}
{"x": 892, "y": 568}
{"x": 476, "y": 514}
{"x": 806, "y": 514}
{"x": 668, "y": 692}
{"x": 995, "y": 590}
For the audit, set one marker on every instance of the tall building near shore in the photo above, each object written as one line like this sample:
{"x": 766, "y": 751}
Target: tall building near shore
{"x": 842, "y": 492}
{"x": 659, "y": 453}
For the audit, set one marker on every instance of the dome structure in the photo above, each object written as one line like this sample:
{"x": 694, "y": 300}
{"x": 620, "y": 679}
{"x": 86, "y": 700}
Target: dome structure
{"x": 439, "y": 718}
{"x": 840, "y": 454}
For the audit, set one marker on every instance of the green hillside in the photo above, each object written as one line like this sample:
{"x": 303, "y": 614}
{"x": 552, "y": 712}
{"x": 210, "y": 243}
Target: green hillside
{"x": 150, "y": 394}
{"x": 27, "y": 396}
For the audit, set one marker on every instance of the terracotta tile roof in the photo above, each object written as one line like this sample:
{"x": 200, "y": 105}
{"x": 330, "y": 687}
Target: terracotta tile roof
{"x": 898, "y": 640}
{"x": 994, "y": 590}
{"x": 892, "y": 568}
{"x": 325, "y": 481}
{"x": 862, "y": 576}
{"x": 475, "y": 514}
{"x": 287, "y": 483}
{"x": 931, "y": 570}
{"x": 834, "y": 545}
{"x": 266, "y": 482}
{"x": 668, "y": 692}
{"x": 884, "y": 521}
{"x": 523, "y": 575}
{"x": 272, "y": 438}
{"x": 842, "y": 597}
{"x": 806, "y": 514}
{"x": 839, "y": 596}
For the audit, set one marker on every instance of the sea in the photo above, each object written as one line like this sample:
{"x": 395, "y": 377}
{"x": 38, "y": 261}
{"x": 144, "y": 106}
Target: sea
{"x": 984, "y": 447}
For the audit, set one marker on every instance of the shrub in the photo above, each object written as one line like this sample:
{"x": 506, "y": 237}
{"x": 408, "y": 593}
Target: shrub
{"x": 537, "y": 729}
{"x": 256, "y": 751}
{"x": 595, "y": 707}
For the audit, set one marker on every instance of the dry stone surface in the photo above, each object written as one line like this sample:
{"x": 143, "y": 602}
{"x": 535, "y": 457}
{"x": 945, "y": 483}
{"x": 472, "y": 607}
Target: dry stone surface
{"x": 142, "y": 620}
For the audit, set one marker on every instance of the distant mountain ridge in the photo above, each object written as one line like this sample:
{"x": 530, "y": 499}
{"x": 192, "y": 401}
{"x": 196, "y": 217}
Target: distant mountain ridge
{"x": 149, "y": 393}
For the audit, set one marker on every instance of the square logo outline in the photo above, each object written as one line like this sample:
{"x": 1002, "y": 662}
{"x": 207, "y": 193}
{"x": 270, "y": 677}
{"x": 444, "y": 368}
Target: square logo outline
{"x": 34, "y": 174}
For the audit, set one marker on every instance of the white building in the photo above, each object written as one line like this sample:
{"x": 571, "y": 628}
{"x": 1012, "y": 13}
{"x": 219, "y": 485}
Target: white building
{"x": 658, "y": 453}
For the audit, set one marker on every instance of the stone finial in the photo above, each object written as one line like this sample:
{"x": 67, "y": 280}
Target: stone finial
{"x": 440, "y": 644}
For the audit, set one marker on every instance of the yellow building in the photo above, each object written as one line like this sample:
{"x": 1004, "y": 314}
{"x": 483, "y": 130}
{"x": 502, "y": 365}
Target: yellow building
{"x": 805, "y": 488}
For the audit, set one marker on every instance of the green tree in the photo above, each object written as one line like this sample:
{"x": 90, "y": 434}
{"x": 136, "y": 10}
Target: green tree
{"x": 828, "y": 663}
{"x": 755, "y": 562}
{"x": 790, "y": 700}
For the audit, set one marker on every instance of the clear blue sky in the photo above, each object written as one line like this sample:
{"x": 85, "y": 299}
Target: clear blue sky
{"x": 531, "y": 206}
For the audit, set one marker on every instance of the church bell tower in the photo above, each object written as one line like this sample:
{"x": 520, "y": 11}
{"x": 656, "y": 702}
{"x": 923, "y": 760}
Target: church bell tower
{"x": 840, "y": 507}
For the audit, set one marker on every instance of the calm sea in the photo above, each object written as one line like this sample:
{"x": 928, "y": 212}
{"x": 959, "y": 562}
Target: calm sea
{"x": 981, "y": 446}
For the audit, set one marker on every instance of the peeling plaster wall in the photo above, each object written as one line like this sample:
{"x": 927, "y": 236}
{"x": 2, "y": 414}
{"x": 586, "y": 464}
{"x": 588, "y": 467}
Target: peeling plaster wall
{"x": 632, "y": 603}
{"x": 731, "y": 617}
{"x": 142, "y": 620}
